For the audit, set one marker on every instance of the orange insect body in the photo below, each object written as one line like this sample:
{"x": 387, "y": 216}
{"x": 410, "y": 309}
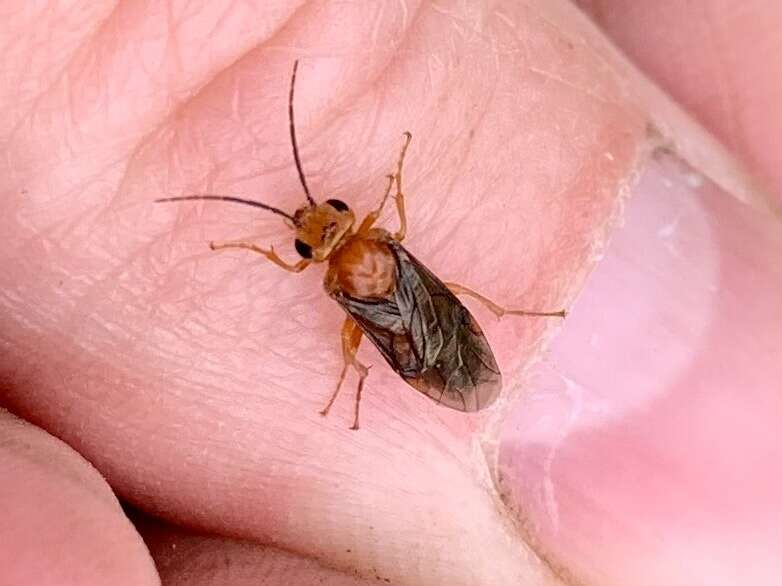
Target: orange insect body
{"x": 414, "y": 319}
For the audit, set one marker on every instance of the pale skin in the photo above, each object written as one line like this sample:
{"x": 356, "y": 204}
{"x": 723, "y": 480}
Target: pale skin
{"x": 147, "y": 355}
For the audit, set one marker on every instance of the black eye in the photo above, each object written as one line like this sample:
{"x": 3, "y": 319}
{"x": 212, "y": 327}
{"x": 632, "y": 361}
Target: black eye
{"x": 304, "y": 249}
{"x": 338, "y": 205}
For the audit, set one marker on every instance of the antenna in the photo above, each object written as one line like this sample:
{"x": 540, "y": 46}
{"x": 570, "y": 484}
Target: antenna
{"x": 251, "y": 202}
{"x": 248, "y": 202}
{"x": 293, "y": 136}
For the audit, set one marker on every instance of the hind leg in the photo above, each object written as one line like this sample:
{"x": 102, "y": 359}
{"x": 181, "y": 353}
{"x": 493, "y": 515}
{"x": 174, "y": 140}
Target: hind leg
{"x": 351, "y": 339}
{"x": 498, "y": 310}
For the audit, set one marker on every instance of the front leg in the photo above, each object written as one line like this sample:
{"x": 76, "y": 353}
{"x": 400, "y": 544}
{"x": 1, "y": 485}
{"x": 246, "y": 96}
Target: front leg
{"x": 372, "y": 216}
{"x": 398, "y": 196}
{"x": 270, "y": 254}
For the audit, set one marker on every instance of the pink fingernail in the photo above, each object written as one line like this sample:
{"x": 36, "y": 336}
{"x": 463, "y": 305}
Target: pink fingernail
{"x": 648, "y": 448}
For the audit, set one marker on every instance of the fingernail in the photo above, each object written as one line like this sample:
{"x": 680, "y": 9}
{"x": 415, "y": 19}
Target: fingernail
{"x": 647, "y": 448}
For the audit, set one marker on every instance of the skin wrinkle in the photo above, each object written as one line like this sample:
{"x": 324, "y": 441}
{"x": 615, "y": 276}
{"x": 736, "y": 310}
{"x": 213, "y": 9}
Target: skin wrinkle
{"x": 725, "y": 91}
{"x": 332, "y": 119}
{"x": 23, "y": 451}
{"x": 552, "y": 506}
{"x": 377, "y": 21}
{"x": 222, "y": 18}
{"x": 62, "y": 73}
{"x": 51, "y": 480}
{"x": 556, "y": 78}
{"x": 202, "y": 87}
{"x": 668, "y": 120}
{"x": 335, "y": 119}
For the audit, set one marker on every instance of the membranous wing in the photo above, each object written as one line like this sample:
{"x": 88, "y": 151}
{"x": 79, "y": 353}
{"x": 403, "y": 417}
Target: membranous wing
{"x": 428, "y": 337}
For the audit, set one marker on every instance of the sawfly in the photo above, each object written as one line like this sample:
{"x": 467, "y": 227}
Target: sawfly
{"x": 412, "y": 317}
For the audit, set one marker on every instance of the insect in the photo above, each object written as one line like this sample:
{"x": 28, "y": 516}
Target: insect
{"x": 412, "y": 317}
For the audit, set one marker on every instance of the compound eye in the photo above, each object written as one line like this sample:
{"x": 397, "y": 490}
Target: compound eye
{"x": 304, "y": 249}
{"x": 338, "y": 205}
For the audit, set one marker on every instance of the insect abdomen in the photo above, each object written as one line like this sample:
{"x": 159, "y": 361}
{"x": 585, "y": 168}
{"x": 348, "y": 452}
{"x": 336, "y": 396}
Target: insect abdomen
{"x": 465, "y": 375}
{"x": 426, "y": 335}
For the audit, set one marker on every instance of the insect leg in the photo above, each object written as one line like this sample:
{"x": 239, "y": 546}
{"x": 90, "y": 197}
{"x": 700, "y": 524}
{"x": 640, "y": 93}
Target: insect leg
{"x": 400, "y": 198}
{"x": 400, "y": 201}
{"x": 498, "y": 310}
{"x": 374, "y": 215}
{"x": 351, "y": 339}
{"x": 270, "y": 254}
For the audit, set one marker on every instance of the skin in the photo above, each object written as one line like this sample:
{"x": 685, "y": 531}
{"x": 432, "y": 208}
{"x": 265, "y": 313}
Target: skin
{"x": 712, "y": 57}
{"x": 191, "y": 380}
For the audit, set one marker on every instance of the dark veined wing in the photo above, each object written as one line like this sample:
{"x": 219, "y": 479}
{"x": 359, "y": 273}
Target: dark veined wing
{"x": 429, "y": 337}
